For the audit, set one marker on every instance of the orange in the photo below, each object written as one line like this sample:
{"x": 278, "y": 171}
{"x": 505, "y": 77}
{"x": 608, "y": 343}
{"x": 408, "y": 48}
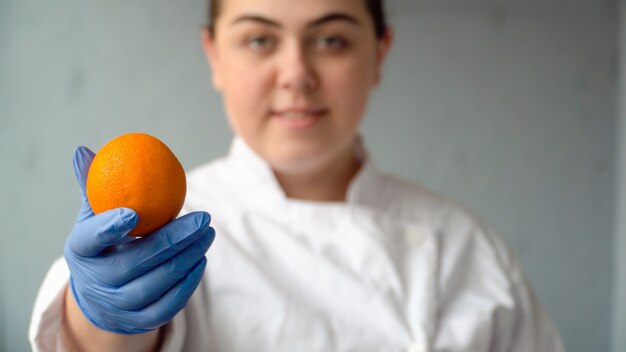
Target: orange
{"x": 139, "y": 172}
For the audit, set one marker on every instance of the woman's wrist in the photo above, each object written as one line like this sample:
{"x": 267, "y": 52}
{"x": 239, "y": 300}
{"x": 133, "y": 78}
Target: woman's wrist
{"x": 78, "y": 334}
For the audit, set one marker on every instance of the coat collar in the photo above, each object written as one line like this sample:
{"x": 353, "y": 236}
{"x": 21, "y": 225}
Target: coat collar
{"x": 255, "y": 174}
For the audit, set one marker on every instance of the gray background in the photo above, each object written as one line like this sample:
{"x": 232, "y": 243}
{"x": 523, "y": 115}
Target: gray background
{"x": 619, "y": 258}
{"x": 510, "y": 107}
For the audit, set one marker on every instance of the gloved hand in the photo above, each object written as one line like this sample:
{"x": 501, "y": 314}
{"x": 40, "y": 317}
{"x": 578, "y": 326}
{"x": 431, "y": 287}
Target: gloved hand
{"x": 127, "y": 285}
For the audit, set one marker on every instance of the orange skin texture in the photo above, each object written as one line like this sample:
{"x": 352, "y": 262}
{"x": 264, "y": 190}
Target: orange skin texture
{"x": 139, "y": 172}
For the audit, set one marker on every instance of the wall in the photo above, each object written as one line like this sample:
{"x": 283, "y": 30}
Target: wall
{"x": 619, "y": 296}
{"x": 506, "y": 106}
{"x": 3, "y": 165}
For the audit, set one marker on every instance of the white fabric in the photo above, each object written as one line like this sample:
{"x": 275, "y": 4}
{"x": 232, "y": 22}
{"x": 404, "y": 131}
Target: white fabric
{"x": 394, "y": 268}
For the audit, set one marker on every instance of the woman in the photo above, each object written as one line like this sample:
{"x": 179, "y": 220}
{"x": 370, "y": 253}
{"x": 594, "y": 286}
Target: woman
{"x": 316, "y": 249}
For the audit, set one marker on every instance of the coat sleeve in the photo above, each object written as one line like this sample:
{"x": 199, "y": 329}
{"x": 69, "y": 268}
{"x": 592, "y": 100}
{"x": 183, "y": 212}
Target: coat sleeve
{"x": 47, "y": 312}
{"x": 47, "y": 315}
{"x": 529, "y": 327}
{"x": 485, "y": 302}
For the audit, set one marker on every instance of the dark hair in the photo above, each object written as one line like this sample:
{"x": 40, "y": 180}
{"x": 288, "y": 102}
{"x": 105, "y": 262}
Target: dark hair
{"x": 376, "y": 9}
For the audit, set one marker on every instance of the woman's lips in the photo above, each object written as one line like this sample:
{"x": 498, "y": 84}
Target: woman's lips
{"x": 298, "y": 118}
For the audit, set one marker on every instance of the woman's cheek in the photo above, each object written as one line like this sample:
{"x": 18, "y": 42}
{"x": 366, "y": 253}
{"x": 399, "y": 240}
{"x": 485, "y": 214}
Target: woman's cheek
{"x": 244, "y": 89}
{"x": 353, "y": 85}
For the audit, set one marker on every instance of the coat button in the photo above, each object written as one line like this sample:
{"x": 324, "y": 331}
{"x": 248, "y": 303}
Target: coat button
{"x": 417, "y": 347}
{"x": 414, "y": 235}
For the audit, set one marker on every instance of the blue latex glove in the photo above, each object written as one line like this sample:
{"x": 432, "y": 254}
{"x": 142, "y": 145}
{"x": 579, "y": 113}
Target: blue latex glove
{"x": 127, "y": 285}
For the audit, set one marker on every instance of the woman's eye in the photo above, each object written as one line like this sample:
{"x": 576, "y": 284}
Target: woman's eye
{"x": 331, "y": 42}
{"x": 259, "y": 42}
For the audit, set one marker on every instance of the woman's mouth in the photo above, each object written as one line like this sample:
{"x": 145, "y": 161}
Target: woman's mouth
{"x": 298, "y": 118}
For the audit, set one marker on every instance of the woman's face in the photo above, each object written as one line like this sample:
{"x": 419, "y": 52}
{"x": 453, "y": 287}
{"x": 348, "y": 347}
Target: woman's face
{"x": 295, "y": 76}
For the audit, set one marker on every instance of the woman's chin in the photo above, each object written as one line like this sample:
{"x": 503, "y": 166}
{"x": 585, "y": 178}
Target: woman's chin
{"x": 304, "y": 162}
{"x": 305, "y": 158}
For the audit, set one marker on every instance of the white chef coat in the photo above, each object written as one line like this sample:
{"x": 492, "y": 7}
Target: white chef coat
{"x": 394, "y": 268}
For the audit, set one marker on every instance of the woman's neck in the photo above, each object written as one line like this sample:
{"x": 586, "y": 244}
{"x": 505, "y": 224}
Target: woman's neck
{"x": 328, "y": 183}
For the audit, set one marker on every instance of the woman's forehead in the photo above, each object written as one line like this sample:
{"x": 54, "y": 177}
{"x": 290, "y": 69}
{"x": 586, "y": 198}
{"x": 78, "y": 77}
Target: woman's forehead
{"x": 301, "y": 12}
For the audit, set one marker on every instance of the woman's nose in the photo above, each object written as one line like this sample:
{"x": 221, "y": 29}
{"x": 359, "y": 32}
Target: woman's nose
{"x": 296, "y": 71}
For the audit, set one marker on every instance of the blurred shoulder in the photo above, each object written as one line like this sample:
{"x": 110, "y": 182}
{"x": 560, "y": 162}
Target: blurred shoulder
{"x": 414, "y": 202}
{"x": 458, "y": 228}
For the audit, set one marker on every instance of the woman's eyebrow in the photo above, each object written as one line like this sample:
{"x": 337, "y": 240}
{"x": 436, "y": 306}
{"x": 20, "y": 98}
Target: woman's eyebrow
{"x": 257, "y": 19}
{"x": 331, "y": 17}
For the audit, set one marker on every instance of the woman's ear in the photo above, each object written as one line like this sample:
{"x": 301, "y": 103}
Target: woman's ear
{"x": 212, "y": 57}
{"x": 383, "y": 46}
